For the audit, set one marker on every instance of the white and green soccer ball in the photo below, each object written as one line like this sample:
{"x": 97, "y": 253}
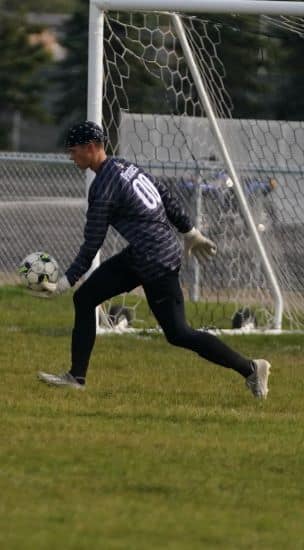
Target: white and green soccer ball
{"x": 38, "y": 267}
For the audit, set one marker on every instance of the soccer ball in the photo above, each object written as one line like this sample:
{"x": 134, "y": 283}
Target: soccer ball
{"x": 38, "y": 267}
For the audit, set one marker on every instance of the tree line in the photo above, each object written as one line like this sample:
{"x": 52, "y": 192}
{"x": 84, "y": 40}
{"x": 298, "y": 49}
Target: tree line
{"x": 265, "y": 77}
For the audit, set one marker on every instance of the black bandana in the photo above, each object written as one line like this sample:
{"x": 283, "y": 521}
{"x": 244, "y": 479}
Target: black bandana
{"x": 85, "y": 132}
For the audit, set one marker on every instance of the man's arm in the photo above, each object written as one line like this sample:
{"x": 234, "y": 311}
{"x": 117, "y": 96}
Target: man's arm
{"x": 174, "y": 209}
{"x": 195, "y": 243}
{"x": 96, "y": 226}
{"x": 94, "y": 234}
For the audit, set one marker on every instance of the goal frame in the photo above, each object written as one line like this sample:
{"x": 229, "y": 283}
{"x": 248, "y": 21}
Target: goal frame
{"x": 95, "y": 86}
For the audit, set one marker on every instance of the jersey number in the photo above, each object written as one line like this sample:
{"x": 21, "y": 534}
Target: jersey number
{"x": 146, "y": 191}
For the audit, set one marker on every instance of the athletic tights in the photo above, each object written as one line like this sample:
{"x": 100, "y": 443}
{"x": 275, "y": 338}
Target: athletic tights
{"x": 165, "y": 298}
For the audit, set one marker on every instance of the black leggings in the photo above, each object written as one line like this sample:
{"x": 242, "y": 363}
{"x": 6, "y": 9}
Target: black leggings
{"x": 166, "y": 301}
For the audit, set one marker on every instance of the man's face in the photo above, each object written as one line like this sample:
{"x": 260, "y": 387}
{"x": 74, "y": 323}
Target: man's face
{"x": 81, "y": 155}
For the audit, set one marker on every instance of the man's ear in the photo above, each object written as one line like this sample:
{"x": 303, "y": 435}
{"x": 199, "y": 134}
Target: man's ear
{"x": 93, "y": 147}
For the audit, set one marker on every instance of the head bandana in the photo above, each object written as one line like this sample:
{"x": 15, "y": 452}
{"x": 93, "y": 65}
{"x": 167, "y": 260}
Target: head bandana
{"x": 83, "y": 133}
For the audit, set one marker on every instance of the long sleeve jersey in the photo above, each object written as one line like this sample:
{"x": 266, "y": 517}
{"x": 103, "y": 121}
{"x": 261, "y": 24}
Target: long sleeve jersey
{"x": 142, "y": 210}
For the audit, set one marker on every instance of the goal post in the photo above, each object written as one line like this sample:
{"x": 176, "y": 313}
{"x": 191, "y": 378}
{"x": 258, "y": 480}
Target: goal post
{"x": 121, "y": 32}
{"x": 256, "y": 7}
{"x": 204, "y": 98}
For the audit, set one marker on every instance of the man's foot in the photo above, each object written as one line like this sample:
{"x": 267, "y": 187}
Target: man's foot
{"x": 61, "y": 380}
{"x": 258, "y": 380}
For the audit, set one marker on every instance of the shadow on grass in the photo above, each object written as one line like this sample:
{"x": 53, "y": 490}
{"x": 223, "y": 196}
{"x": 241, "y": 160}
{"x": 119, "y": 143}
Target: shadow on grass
{"x": 203, "y": 418}
{"x": 48, "y": 331}
{"x": 39, "y": 331}
{"x": 144, "y": 489}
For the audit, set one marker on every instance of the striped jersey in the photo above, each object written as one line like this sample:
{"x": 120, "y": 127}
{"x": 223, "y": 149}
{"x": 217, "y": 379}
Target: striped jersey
{"x": 142, "y": 210}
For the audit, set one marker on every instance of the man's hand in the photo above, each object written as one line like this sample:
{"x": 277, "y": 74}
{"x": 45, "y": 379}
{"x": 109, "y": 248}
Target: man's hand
{"x": 198, "y": 245}
{"x": 47, "y": 289}
{"x": 53, "y": 289}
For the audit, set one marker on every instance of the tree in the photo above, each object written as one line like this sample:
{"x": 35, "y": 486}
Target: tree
{"x": 72, "y": 72}
{"x": 21, "y": 63}
{"x": 39, "y": 6}
{"x": 288, "y": 77}
{"x": 263, "y": 64}
{"x": 72, "y": 75}
{"x": 244, "y": 53}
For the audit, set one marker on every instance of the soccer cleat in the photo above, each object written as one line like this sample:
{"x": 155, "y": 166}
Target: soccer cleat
{"x": 257, "y": 381}
{"x": 62, "y": 380}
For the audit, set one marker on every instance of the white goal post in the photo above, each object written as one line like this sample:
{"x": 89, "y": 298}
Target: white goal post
{"x": 270, "y": 7}
{"x": 99, "y": 67}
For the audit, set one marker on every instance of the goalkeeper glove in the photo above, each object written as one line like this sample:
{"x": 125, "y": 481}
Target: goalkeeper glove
{"x": 198, "y": 245}
{"x": 47, "y": 289}
{"x": 53, "y": 289}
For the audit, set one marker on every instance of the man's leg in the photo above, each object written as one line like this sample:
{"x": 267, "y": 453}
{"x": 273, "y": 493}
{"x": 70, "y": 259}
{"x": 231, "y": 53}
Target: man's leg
{"x": 166, "y": 301}
{"x": 111, "y": 278}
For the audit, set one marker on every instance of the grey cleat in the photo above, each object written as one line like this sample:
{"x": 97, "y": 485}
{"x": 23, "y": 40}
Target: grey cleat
{"x": 257, "y": 382}
{"x": 62, "y": 380}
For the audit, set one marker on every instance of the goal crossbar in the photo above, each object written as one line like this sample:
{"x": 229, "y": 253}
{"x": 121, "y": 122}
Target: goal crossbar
{"x": 266, "y": 7}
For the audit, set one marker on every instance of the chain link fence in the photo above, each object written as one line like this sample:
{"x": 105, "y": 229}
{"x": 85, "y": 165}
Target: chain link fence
{"x": 43, "y": 205}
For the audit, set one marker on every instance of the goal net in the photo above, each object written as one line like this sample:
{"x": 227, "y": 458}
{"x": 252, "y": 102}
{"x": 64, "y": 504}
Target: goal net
{"x": 171, "y": 92}
{"x": 167, "y": 105}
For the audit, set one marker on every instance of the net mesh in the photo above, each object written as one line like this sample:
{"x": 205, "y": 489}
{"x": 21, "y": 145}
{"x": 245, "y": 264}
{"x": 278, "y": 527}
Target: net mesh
{"x": 160, "y": 124}
{"x": 42, "y": 206}
{"x": 173, "y": 139}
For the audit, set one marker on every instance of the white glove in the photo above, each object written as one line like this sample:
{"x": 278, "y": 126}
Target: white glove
{"x": 53, "y": 289}
{"x": 198, "y": 245}
{"x": 47, "y": 289}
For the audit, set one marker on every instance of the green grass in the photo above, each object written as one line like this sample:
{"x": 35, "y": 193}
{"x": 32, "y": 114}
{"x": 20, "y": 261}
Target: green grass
{"x": 162, "y": 450}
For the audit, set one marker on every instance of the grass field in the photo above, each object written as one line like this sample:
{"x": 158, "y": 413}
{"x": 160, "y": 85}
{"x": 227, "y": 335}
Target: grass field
{"x": 162, "y": 450}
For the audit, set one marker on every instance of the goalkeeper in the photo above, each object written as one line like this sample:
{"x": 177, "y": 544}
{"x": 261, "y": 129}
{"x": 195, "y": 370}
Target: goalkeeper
{"x": 144, "y": 212}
